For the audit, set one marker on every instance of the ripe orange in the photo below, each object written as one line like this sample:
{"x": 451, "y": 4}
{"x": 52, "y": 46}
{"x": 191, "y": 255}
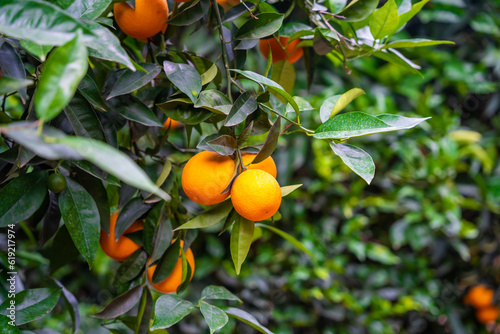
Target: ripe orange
{"x": 146, "y": 20}
{"x": 119, "y": 250}
{"x": 228, "y": 4}
{"x": 172, "y": 282}
{"x": 487, "y": 314}
{"x": 267, "y": 165}
{"x": 256, "y": 195}
{"x": 206, "y": 175}
{"x": 170, "y": 123}
{"x": 281, "y": 50}
{"x": 479, "y": 296}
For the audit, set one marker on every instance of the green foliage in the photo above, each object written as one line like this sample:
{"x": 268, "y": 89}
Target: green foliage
{"x": 345, "y": 254}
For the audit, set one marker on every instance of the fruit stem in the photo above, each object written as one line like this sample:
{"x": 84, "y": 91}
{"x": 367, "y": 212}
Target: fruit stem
{"x": 241, "y": 160}
{"x": 225, "y": 59}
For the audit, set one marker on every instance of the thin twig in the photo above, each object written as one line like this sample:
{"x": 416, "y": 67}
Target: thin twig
{"x": 224, "y": 51}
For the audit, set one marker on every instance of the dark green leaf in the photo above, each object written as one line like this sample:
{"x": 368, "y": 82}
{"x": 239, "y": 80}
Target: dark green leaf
{"x": 288, "y": 238}
{"x": 145, "y": 322}
{"x": 167, "y": 262}
{"x": 61, "y": 74}
{"x": 218, "y": 292}
{"x": 83, "y": 118}
{"x": 184, "y": 77}
{"x": 131, "y": 267}
{"x": 209, "y": 217}
{"x": 270, "y": 143}
{"x": 266, "y": 24}
{"x": 5, "y": 324}
{"x": 214, "y": 316}
{"x": 244, "y": 105}
{"x": 190, "y": 14}
{"x": 130, "y": 81}
{"x": 246, "y": 318}
{"x": 22, "y": 196}
{"x": 214, "y": 101}
{"x": 131, "y": 212}
{"x": 133, "y": 109}
{"x": 358, "y": 10}
{"x": 81, "y": 217}
{"x": 37, "y": 50}
{"x": 224, "y": 145}
{"x": 9, "y": 85}
{"x": 183, "y": 111}
{"x": 13, "y": 67}
{"x": 121, "y": 304}
{"x": 72, "y": 306}
{"x": 89, "y": 90}
{"x": 241, "y": 240}
{"x": 169, "y": 310}
{"x": 397, "y": 58}
{"x": 270, "y": 85}
{"x": 163, "y": 238}
{"x": 245, "y": 134}
{"x": 32, "y": 304}
{"x": 63, "y": 250}
{"x": 88, "y": 9}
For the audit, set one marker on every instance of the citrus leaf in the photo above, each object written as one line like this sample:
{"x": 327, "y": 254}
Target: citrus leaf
{"x": 241, "y": 240}
{"x": 284, "y": 74}
{"x": 167, "y": 262}
{"x": 184, "y": 77}
{"x": 13, "y": 67}
{"x": 130, "y": 81}
{"x": 333, "y": 105}
{"x": 133, "y": 109}
{"x": 121, "y": 304}
{"x": 169, "y": 310}
{"x": 244, "y": 105}
{"x": 270, "y": 143}
{"x": 83, "y": 118}
{"x": 356, "y": 159}
{"x": 224, "y": 145}
{"x": 414, "y": 43}
{"x": 61, "y": 74}
{"x": 209, "y": 217}
{"x": 9, "y": 85}
{"x": 288, "y": 238}
{"x": 130, "y": 212}
{"x": 214, "y": 316}
{"x": 384, "y": 21}
{"x": 132, "y": 267}
{"x": 72, "y": 305}
{"x": 214, "y": 101}
{"x": 358, "y": 10}
{"x": 22, "y": 197}
{"x": 246, "y": 318}
{"x": 218, "y": 292}
{"x": 182, "y": 111}
{"x": 286, "y": 190}
{"x": 81, "y": 217}
{"x": 266, "y": 24}
{"x": 88, "y": 88}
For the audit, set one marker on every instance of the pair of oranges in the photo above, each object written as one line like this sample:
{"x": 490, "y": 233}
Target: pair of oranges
{"x": 255, "y": 193}
{"x": 149, "y": 16}
{"x": 121, "y": 249}
{"x": 481, "y": 298}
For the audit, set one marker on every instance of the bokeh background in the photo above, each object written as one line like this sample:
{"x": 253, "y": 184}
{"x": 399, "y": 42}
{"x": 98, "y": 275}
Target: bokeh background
{"x": 395, "y": 256}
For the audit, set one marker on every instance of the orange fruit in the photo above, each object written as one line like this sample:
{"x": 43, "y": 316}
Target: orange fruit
{"x": 487, "y": 314}
{"x": 172, "y": 282}
{"x": 119, "y": 250}
{"x": 479, "y": 296}
{"x": 146, "y": 20}
{"x": 206, "y": 175}
{"x": 281, "y": 50}
{"x": 228, "y": 4}
{"x": 170, "y": 123}
{"x": 267, "y": 165}
{"x": 256, "y": 195}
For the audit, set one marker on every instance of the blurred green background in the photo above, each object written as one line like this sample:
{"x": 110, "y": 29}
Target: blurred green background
{"x": 392, "y": 257}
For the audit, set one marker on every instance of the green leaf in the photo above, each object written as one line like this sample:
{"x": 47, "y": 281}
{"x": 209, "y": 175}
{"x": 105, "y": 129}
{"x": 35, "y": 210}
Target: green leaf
{"x": 214, "y": 316}
{"x": 169, "y": 310}
{"x": 270, "y": 143}
{"x": 81, "y": 217}
{"x": 121, "y": 304}
{"x": 284, "y": 74}
{"x": 218, "y": 292}
{"x": 358, "y": 10}
{"x": 129, "y": 81}
{"x": 88, "y": 88}
{"x": 224, "y": 145}
{"x": 32, "y": 304}
{"x": 287, "y": 190}
{"x": 61, "y": 74}
{"x": 37, "y": 50}
{"x": 288, "y": 238}
{"x": 184, "y": 77}
{"x": 396, "y": 58}
{"x": 132, "y": 267}
{"x": 241, "y": 240}
{"x": 133, "y": 109}
{"x": 384, "y": 21}
{"x": 190, "y": 14}
{"x": 333, "y": 105}
{"x": 63, "y": 249}
{"x": 247, "y": 318}
{"x": 182, "y": 110}
{"x": 244, "y": 105}
{"x": 167, "y": 262}
{"x": 214, "y": 101}
{"x": 270, "y": 84}
{"x": 5, "y": 324}
{"x": 83, "y": 118}
{"x": 71, "y": 304}
{"x": 405, "y": 17}
{"x": 22, "y": 197}
{"x": 209, "y": 217}
{"x": 381, "y": 253}
{"x": 356, "y": 159}
{"x": 88, "y": 9}
{"x": 13, "y": 67}
{"x": 266, "y": 24}
{"x": 356, "y": 124}
{"x": 414, "y": 43}
{"x": 130, "y": 212}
